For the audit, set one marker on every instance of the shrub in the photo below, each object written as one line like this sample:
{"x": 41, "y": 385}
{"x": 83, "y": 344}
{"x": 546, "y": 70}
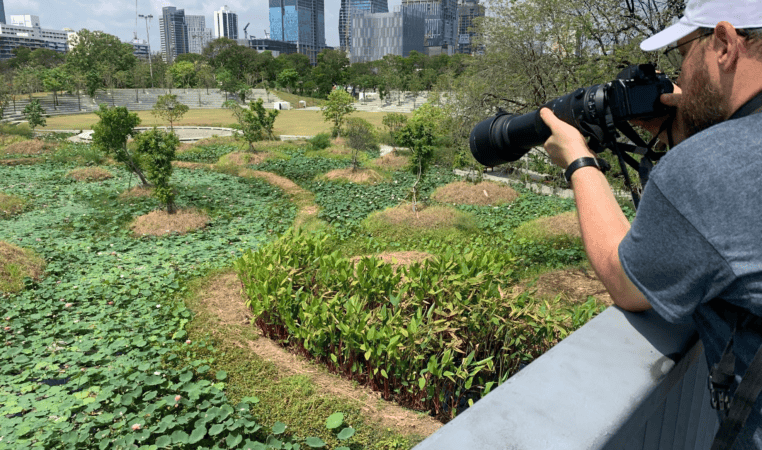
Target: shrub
{"x": 17, "y": 130}
{"x": 157, "y": 150}
{"x": 361, "y": 136}
{"x": 320, "y": 141}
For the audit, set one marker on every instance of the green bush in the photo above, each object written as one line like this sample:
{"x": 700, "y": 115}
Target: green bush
{"x": 320, "y": 141}
{"x": 17, "y": 130}
{"x": 435, "y": 336}
{"x": 80, "y": 154}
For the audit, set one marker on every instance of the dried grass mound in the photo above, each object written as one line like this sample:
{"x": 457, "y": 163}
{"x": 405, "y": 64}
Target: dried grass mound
{"x": 244, "y": 159}
{"x": 397, "y": 259}
{"x": 10, "y": 205}
{"x": 484, "y": 193}
{"x": 138, "y": 191}
{"x": 89, "y": 174}
{"x": 359, "y": 176}
{"x": 392, "y": 161}
{"x": 565, "y": 224}
{"x": 574, "y": 286}
{"x": 32, "y": 147}
{"x": 190, "y": 165}
{"x": 159, "y": 223}
{"x": 15, "y": 265}
{"x": 426, "y": 218}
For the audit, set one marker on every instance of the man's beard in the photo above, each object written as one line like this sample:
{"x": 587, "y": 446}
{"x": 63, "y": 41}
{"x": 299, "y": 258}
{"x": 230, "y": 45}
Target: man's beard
{"x": 702, "y": 106}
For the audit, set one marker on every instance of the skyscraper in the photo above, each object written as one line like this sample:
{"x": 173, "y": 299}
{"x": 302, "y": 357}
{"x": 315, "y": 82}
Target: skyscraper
{"x": 225, "y": 23}
{"x": 174, "y": 33}
{"x": 2, "y": 12}
{"x": 301, "y": 22}
{"x": 468, "y": 10}
{"x": 198, "y": 35}
{"x": 350, "y": 7}
{"x": 441, "y": 23}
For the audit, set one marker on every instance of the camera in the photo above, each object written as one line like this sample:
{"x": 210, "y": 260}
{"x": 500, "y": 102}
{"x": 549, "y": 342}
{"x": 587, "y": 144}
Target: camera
{"x": 594, "y": 111}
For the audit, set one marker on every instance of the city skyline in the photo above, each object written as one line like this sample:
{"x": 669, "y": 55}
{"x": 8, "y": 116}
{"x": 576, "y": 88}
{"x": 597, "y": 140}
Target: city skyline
{"x": 118, "y": 16}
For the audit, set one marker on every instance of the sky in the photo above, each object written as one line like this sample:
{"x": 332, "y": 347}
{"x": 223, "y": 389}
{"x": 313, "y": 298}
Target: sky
{"x": 117, "y": 17}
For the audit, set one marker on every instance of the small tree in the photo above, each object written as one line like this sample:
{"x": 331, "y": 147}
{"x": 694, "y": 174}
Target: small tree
{"x": 420, "y": 135}
{"x": 157, "y": 149}
{"x": 338, "y": 105}
{"x": 361, "y": 136}
{"x": 111, "y": 132}
{"x": 393, "y": 122}
{"x": 168, "y": 108}
{"x": 254, "y": 122}
{"x": 34, "y": 114}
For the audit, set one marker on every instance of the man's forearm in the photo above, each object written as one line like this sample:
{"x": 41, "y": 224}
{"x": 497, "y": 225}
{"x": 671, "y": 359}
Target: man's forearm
{"x": 603, "y": 226}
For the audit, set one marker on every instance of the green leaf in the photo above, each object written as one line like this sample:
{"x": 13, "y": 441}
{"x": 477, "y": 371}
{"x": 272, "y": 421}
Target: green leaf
{"x": 180, "y": 437}
{"x": 314, "y": 442}
{"x": 163, "y": 441}
{"x": 233, "y": 440}
{"x": 221, "y": 375}
{"x": 216, "y": 429}
{"x": 197, "y": 434}
{"x": 346, "y": 433}
{"x": 279, "y": 428}
{"x": 334, "y": 420}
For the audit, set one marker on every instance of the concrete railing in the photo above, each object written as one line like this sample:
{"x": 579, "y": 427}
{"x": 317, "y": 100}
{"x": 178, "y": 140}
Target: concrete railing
{"x": 622, "y": 381}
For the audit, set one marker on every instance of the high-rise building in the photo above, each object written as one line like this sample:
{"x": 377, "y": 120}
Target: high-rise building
{"x": 31, "y": 37}
{"x": 441, "y": 21}
{"x": 198, "y": 35}
{"x": 301, "y": 22}
{"x": 375, "y": 35}
{"x": 468, "y": 10}
{"x": 2, "y": 12}
{"x": 174, "y": 33}
{"x": 225, "y": 23}
{"x": 351, "y": 7}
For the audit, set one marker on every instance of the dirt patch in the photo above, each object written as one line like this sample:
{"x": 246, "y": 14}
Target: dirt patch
{"x": 19, "y": 162}
{"x": 33, "y": 147}
{"x": 429, "y": 217}
{"x": 243, "y": 158}
{"x": 284, "y": 183}
{"x": 159, "y": 223}
{"x": 574, "y": 285}
{"x": 17, "y": 263}
{"x": 392, "y": 161}
{"x": 89, "y": 174}
{"x": 223, "y": 297}
{"x": 190, "y": 165}
{"x": 138, "y": 191}
{"x": 548, "y": 227}
{"x": 484, "y": 193}
{"x": 359, "y": 176}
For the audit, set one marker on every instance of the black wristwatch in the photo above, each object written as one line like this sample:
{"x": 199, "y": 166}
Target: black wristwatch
{"x": 601, "y": 164}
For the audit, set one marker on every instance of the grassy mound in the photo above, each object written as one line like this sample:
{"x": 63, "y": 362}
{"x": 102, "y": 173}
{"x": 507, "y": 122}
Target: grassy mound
{"x": 435, "y": 223}
{"x": 15, "y": 265}
{"x": 10, "y": 205}
{"x": 158, "y": 223}
{"x": 573, "y": 286}
{"x": 89, "y": 174}
{"x": 392, "y": 161}
{"x": 565, "y": 224}
{"x": 360, "y": 176}
{"x": 243, "y": 159}
{"x": 32, "y": 147}
{"x": 484, "y": 193}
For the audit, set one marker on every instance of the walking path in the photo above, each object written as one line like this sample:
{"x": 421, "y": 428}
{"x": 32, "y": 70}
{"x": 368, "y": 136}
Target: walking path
{"x": 186, "y": 134}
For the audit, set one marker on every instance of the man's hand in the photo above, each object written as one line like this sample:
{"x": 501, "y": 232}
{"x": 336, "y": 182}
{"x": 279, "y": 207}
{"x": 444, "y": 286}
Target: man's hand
{"x": 654, "y": 125}
{"x": 566, "y": 144}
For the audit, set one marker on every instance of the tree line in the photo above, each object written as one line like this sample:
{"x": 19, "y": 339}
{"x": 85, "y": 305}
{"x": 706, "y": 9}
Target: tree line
{"x": 101, "y": 61}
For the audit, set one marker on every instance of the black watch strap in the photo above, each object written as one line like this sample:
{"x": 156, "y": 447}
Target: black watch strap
{"x": 601, "y": 164}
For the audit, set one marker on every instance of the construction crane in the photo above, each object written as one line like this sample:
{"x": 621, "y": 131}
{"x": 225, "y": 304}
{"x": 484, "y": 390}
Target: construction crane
{"x": 245, "y": 34}
{"x": 267, "y": 35}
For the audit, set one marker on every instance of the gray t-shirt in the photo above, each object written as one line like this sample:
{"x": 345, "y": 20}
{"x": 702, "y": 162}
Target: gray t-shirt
{"x": 697, "y": 238}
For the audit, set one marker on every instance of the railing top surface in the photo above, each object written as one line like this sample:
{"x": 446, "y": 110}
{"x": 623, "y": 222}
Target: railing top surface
{"x": 577, "y": 394}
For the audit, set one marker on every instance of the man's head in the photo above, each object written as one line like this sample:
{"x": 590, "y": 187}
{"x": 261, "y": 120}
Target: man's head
{"x": 718, "y": 47}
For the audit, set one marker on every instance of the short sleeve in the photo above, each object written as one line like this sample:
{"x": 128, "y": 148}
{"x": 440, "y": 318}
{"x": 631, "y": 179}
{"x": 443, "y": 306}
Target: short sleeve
{"x": 669, "y": 261}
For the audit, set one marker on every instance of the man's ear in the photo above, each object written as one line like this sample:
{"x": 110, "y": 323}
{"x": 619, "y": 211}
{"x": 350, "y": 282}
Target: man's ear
{"x": 727, "y": 46}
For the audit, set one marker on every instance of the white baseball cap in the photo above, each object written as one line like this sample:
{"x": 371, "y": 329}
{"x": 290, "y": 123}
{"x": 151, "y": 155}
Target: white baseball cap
{"x": 707, "y": 13}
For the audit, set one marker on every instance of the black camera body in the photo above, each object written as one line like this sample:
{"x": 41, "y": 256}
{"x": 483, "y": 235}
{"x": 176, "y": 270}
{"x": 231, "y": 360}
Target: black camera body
{"x": 594, "y": 110}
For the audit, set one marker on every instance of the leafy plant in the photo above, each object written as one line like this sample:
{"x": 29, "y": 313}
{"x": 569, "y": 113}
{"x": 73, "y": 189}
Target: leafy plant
{"x": 394, "y": 122}
{"x": 320, "y": 141}
{"x": 34, "y": 114}
{"x": 336, "y": 108}
{"x": 420, "y": 134}
{"x": 255, "y": 123}
{"x": 157, "y": 150}
{"x": 167, "y": 107}
{"x": 361, "y": 136}
{"x": 111, "y": 132}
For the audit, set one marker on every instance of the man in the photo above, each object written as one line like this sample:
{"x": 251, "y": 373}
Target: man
{"x": 694, "y": 251}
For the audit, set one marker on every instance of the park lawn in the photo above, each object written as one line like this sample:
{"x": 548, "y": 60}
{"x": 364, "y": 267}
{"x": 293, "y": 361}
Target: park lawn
{"x": 293, "y": 122}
